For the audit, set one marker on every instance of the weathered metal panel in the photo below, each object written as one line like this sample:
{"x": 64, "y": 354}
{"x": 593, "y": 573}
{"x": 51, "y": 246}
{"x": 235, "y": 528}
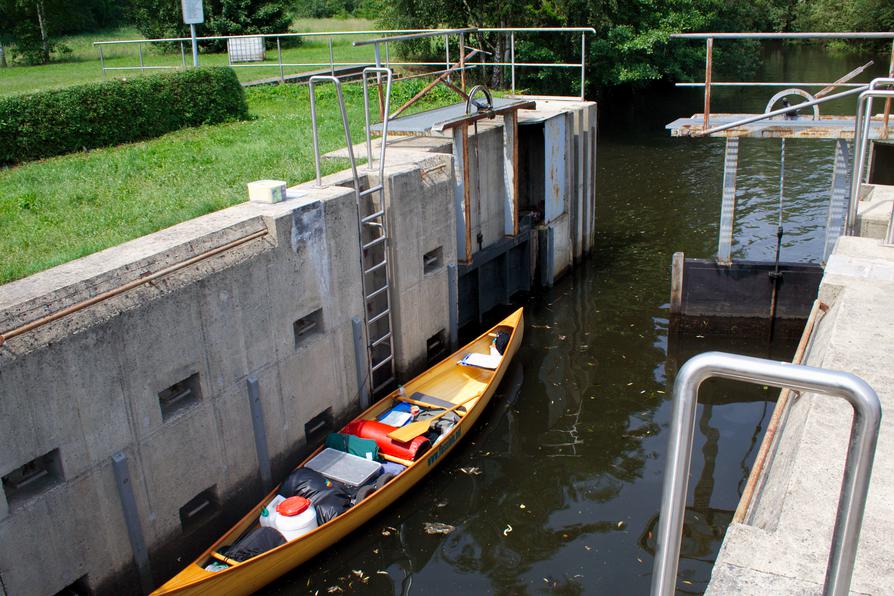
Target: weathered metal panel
{"x": 422, "y": 123}
{"x": 744, "y": 289}
{"x": 510, "y": 174}
{"x": 461, "y": 197}
{"x": 827, "y": 127}
{"x": 592, "y": 162}
{"x": 728, "y": 207}
{"x": 841, "y": 184}
{"x": 577, "y": 180}
{"x": 555, "y": 166}
{"x": 677, "y": 271}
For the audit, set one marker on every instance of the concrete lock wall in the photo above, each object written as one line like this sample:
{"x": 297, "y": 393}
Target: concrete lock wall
{"x": 104, "y": 381}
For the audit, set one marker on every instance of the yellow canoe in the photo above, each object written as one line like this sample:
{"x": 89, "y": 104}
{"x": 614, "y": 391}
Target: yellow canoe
{"x": 447, "y": 381}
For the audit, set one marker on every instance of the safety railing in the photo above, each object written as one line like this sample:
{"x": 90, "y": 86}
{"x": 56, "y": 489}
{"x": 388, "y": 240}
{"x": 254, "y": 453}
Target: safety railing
{"x": 512, "y": 64}
{"x": 857, "y": 467}
{"x": 709, "y": 38}
{"x": 382, "y": 41}
{"x": 862, "y": 125}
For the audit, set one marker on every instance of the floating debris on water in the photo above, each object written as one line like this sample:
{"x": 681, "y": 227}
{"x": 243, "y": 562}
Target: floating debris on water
{"x": 507, "y": 530}
{"x": 437, "y": 528}
{"x": 471, "y": 471}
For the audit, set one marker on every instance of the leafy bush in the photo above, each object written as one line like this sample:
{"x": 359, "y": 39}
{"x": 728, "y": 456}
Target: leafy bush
{"x": 80, "y": 117}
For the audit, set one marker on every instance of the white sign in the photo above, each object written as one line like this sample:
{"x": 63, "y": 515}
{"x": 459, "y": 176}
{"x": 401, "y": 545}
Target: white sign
{"x": 193, "y": 12}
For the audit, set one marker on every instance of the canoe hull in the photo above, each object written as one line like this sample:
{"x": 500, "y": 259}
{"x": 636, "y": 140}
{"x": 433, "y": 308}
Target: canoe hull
{"x": 255, "y": 573}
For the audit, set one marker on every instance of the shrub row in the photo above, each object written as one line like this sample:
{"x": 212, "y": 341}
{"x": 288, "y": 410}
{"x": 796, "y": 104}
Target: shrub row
{"x": 48, "y": 123}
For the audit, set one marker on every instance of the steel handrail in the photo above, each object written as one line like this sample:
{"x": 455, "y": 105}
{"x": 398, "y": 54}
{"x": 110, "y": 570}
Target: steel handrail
{"x": 857, "y": 467}
{"x": 389, "y": 74}
{"x": 862, "y": 124}
{"x": 413, "y": 35}
{"x": 780, "y": 111}
{"x": 801, "y": 35}
{"x": 264, "y": 35}
{"x": 387, "y": 36}
{"x": 312, "y": 85}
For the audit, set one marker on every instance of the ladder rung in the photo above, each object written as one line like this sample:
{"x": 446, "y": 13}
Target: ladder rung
{"x": 380, "y": 340}
{"x": 381, "y": 364}
{"x": 377, "y": 292}
{"x": 369, "y": 191}
{"x": 373, "y": 216}
{"x": 372, "y": 243}
{"x": 377, "y": 266}
{"x": 383, "y": 384}
{"x": 379, "y": 316}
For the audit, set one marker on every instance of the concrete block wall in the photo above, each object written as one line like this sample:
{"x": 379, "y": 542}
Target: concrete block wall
{"x": 421, "y": 220}
{"x": 88, "y": 384}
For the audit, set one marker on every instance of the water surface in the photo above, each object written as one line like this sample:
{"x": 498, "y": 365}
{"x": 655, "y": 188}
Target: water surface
{"x": 558, "y": 490}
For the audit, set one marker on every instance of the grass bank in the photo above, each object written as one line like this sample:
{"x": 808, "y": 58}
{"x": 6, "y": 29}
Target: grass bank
{"x": 63, "y": 208}
{"x": 82, "y": 65}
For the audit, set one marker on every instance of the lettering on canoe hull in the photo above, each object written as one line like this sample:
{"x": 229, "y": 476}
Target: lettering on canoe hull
{"x": 444, "y": 447}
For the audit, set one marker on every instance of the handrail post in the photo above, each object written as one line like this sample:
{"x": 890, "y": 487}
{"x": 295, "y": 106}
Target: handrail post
{"x": 102, "y": 61}
{"x": 182, "y": 56}
{"x": 512, "y": 58}
{"x": 384, "y": 139}
{"x": 462, "y": 61}
{"x": 447, "y": 54}
{"x": 311, "y": 87}
{"x": 709, "y": 54}
{"x": 857, "y": 467}
{"x": 331, "y": 58}
{"x": 379, "y": 81}
{"x": 140, "y": 51}
{"x": 884, "y": 133}
{"x": 282, "y": 73}
{"x": 583, "y": 60}
{"x": 195, "y": 46}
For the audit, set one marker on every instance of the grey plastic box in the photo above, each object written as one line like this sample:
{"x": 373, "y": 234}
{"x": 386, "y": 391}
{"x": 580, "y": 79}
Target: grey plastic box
{"x": 344, "y": 467}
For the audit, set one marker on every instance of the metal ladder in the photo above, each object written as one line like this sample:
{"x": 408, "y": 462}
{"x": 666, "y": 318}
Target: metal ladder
{"x": 375, "y": 266}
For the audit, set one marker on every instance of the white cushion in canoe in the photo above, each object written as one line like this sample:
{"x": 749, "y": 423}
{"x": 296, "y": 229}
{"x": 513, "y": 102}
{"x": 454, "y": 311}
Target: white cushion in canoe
{"x": 487, "y": 361}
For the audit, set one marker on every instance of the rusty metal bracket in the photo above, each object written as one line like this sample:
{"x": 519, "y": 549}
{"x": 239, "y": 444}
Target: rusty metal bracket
{"x": 455, "y": 67}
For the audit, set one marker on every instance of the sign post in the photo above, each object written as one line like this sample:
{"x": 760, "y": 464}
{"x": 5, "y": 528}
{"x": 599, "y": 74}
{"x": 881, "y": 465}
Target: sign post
{"x": 193, "y": 13}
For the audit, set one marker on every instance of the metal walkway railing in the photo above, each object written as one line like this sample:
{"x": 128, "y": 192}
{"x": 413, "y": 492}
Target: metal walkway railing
{"x": 709, "y": 52}
{"x": 372, "y": 228}
{"x": 857, "y": 467}
{"x": 387, "y": 37}
{"x": 861, "y": 140}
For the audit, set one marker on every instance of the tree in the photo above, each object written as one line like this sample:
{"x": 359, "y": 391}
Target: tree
{"x": 163, "y": 18}
{"x": 27, "y": 27}
{"x": 631, "y": 44}
{"x": 856, "y": 15}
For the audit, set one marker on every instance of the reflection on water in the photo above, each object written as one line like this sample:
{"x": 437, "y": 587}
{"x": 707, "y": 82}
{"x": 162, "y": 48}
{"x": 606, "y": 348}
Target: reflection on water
{"x": 558, "y": 490}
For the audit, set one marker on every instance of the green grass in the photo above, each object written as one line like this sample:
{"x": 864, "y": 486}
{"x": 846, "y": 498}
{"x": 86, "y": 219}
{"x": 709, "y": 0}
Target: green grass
{"x": 63, "y": 208}
{"x": 83, "y": 64}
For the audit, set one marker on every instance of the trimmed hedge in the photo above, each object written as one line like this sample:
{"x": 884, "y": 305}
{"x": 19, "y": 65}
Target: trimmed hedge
{"x": 48, "y": 123}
